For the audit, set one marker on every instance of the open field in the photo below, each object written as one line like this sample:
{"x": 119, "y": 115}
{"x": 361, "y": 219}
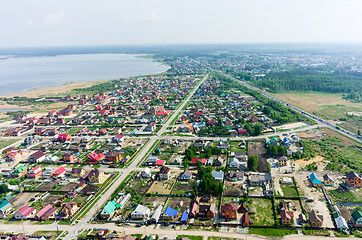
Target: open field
{"x": 326, "y": 105}
{"x": 20, "y": 200}
{"x": 162, "y": 187}
{"x": 258, "y": 149}
{"x": 263, "y": 212}
{"x": 345, "y": 140}
{"x": 6, "y": 142}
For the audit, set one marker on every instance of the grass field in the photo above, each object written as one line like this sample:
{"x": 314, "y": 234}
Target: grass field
{"x": 326, "y": 105}
{"x": 6, "y": 142}
{"x": 263, "y": 212}
{"x": 289, "y": 191}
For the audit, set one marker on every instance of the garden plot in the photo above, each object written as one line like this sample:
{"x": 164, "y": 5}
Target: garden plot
{"x": 234, "y": 188}
{"x": 22, "y": 199}
{"x": 45, "y": 187}
{"x": 162, "y": 187}
{"x": 139, "y": 185}
{"x": 52, "y": 198}
{"x": 183, "y": 187}
{"x": 262, "y": 210}
{"x": 153, "y": 201}
{"x": 180, "y": 204}
{"x": 258, "y": 149}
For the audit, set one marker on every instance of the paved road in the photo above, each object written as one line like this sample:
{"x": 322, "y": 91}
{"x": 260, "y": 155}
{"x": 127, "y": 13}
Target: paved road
{"x": 317, "y": 119}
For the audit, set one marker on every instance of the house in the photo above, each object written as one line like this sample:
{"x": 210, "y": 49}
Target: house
{"x": 69, "y": 208}
{"x": 176, "y": 161}
{"x": 302, "y": 218}
{"x": 184, "y": 217}
{"x": 140, "y": 212}
{"x": 327, "y": 180}
{"x": 282, "y": 161}
{"x": 77, "y": 172}
{"x": 4, "y": 207}
{"x": 245, "y": 220}
{"x": 36, "y": 157}
{"x": 354, "y": 180}
{"x": 94, "y": 157}
{"x": 45, "y": 213}
{"x": 164, "y": 173}
{"x": 199, "y": 143}
{"x": 96, "y": 176}
{"x": 68, "y": 157}
{"x": 156, "y": 214}
{"x": 151, "y": 127}
{"x": 114, "y": 156}
{"x": 13, "y": 156}
{"x": 19, "y": 171}
{"x": 233, "y": 176}
{"x": 287, "y": 217}
{"x": 207, "y": 211}
{"x": 242, "y": 156}
{"x": 219, "y": 161}
{"x": 185, "y": 128}
{"x": 259, "y": 179}
{"x": 234, "y": 163}
{"x": 315, "y": 219}
{"x": 229, "y": 211}
{"x": 356, "y": 219}
{"x": 341, "y": 223}
{"x": 218, "y": 175}
{"x": 108, "y": 210}
{"x": 186, "y": 175}
{"x": 64, "y": 137}
{"x": 210, "y": 161}
{"x": 202, "y": 161}
{"x": 59, "y": 172}
{"x": 24, "y": 213}
{"x": 146, "y": 173}
{"x": 35, "y": 172}
{"x": 170, "y": 214}
{"x": 315, "y": 180}
{"x": 194, "y": 208}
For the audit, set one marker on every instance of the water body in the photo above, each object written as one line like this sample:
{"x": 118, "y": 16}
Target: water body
{"x": 18, "y": 74}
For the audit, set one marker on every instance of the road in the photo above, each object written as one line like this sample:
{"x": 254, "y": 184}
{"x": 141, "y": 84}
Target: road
{"x": 317, "y": 119}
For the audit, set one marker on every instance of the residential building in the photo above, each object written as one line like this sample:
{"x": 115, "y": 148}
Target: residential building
{"x": 170, "y": 214}
{"x": 207, "y": 211}
{"x": 282, "y": 161}
{"x": 356, "y": 219}
{"x": 114, "y": 156}
{"x": 327, "y": 180}
{"x": 287, "y": 217}
{"x": 315, "y": 219}
{"x": 229, "y": 211}
{"x": 78, "y": 172}
{"x": 59, "y": 172}
{"x": 68, "y": 157}
{"x": 36, "y": 157}
{"x": 4, "y": 207}
{"x": 47, "y": 212}
{"x": 25, "y": 213}
{"x": 96, "y": 176}
{"x": 186, "y": 175}
{"x": 245, "y": 220}
{"x": 218, "y": 175}
{"x": 19, "y": 171}
{"x": 35, "y": 172}
{"x": 315, "y": 180}
{"x": 156, "y": 214}
{"x": 164, "y": 173}
{"x": 108, "y": 210}
{"x": 354, "y": 180}
{"x": 140, "y": 212}
{"x": 69, "y": 208}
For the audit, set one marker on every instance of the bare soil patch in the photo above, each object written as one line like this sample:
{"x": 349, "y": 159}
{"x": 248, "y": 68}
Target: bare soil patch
{"x": 21, "y": 200}
{"x": 303, "y": 163}
{"x": 51, "y": 199}
{"x": 175, "y": 203}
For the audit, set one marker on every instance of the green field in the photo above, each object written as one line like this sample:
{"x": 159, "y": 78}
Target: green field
{"x": 6, "y": 142}
{"x": 263, "y": 212}
{"x": 272, "y": 231}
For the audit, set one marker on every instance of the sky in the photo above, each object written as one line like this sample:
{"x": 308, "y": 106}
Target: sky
{"x": 25, "y": 23}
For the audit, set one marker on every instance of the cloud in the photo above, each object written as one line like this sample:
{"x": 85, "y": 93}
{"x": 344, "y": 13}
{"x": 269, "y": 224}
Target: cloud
{"x": 30, "y": 22}
{"x": 150, "y": 17}
{"x": 55, "y": 18}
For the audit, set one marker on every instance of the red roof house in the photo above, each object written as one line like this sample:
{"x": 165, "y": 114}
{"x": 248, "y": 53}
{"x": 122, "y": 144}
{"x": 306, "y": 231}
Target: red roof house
{"x": 64, "y": 137}
{"x": 94, "y": 157}
{"x": 59, "y": 172}
{"x": 34, "y": 173}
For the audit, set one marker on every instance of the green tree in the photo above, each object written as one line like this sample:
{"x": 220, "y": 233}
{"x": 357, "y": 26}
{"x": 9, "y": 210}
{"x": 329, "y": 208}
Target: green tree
{"x": 4, "y": 188}
{"x": 253, "y": 163}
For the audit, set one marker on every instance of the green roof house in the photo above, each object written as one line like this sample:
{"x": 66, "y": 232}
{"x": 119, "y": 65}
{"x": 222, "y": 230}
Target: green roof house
{"x": 19, "y": 171}
{"x": 4, "y": 206}
{"x": 357, "y": 218}
{"x": 108, "y": 210}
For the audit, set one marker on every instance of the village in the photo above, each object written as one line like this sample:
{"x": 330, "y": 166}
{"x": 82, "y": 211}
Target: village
{"x": 175, "y": 152}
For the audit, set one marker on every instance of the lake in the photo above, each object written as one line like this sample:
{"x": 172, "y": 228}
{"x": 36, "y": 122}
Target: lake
{"x": 18, "y": 74}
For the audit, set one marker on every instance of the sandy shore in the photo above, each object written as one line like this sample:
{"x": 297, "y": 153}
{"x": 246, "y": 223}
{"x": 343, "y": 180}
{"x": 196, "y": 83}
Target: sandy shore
{"x": 52, "y": 90}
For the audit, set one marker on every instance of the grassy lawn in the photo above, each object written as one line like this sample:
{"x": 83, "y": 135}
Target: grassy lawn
{"x": 340, "y": 195}
{"x": 289, "y": 191}
{"x": 316, "y": 232}
{"x": 74, "y": 130}
{"x": 340, "y": 234}
{"x": 6, "y": 142}
{"x": 191, "y": 237}
{"x": 272, "y": 231}
{"x": 263, "y": 212}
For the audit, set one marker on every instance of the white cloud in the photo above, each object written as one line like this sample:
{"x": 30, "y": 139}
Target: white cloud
{"x": 150, "y": 17}
{"x": 55, "y": 18}
{"x": 30, "y": 22}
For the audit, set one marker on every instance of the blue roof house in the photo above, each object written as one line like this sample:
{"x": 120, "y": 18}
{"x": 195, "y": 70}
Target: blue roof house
{"x": 184, "y": 217}
{"x": 315, "y": 180}
{"x": 170, "y": 214}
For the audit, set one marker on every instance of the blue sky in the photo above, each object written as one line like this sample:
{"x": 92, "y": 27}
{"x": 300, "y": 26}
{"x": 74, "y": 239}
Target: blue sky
{"x": 119, "y": 22}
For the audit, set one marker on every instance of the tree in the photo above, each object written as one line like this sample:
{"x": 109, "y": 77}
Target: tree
{"x": 257, "y": 130}
{"x": 4, "y": 188}
{"x": 253, "y": 163}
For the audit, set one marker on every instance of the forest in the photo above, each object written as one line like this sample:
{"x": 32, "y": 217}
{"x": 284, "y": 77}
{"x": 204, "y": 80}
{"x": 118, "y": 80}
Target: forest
{"x": 302, "y": 79}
